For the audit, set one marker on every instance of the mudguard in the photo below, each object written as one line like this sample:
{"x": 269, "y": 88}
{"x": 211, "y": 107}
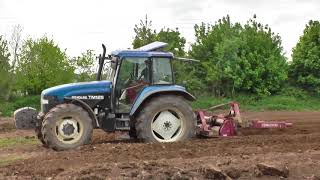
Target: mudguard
{"x": 151, "y": 91}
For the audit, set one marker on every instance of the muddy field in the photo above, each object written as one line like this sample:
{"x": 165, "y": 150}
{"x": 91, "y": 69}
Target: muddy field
{"x": 257, "y": 154}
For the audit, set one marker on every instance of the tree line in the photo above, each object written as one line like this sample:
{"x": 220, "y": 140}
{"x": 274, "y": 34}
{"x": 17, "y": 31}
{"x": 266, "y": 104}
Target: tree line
{"x": 241, "y": 58}
{"x": 234, "y": 58}
{"x": 33, "y": 65}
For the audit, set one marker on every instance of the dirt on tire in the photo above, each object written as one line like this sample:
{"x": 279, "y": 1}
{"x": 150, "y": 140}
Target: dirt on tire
{"x": 292, "y": 153}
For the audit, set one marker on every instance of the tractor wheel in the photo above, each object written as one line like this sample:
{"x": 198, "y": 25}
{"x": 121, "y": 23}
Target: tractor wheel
{"x": 133, "y": 133}
{"x": 67, "y": 126}
{"x": 39, "y": 133}
{"x": 165, "y": 118}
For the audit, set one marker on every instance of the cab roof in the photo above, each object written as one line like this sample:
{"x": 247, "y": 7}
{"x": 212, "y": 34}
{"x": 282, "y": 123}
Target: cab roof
{"x": 136, "y": 53}
{"x": 149, "y": 50}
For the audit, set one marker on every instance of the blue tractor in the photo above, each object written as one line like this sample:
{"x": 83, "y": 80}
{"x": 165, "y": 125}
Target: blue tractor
{"x": 135, "y": 91}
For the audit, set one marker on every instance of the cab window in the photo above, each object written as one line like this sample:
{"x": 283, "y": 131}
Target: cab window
{"x": 161, "y": 71}
{"x": 109, "y": 69}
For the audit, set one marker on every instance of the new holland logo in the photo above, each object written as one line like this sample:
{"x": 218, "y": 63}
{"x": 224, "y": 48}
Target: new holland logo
{"x": 90, "y": 97}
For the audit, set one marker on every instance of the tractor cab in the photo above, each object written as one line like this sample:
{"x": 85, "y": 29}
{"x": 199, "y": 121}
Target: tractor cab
{"x": 135, "y": 70}
{"x": 132, "y": 70}
{"x": 137, "y": 76}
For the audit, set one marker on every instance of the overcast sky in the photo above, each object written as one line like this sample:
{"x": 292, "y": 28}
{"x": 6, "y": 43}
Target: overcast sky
{"x": 77, "y": 25}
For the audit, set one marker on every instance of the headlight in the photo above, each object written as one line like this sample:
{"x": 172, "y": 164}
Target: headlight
{"x": 44, "y": 101}
{"x": 48, "y": 102}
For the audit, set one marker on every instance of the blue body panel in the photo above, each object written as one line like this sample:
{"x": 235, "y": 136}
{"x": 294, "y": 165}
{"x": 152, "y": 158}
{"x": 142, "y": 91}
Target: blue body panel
{"x": 150, "y": 90}
{"x": 138, "y": 53}
{"x": 78, "y": 89}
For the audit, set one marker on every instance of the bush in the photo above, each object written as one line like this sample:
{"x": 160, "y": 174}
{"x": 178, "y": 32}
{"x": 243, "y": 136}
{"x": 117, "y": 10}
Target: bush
{"x": 257, "y": 103}
{"x": 7, "y": 108}
{"x": 237, "y": 59}
{"x": 294, "y": 92}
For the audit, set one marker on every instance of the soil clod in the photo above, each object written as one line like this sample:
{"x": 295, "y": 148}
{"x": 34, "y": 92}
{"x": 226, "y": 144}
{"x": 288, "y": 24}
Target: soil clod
{"x": 271, "y": 170}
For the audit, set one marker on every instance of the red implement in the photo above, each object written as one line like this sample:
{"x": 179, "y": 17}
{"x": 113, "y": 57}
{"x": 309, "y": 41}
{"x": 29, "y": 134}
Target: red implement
{"x": 269, "y": 124}
{"x": 211, "y": 125}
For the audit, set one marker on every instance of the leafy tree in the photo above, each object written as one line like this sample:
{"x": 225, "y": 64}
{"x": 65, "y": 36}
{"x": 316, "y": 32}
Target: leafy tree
{"x": 5, "y": 68}
{"x": 42, "y": 64}
{"x": 176, "y": 42}
{"x": 184, "y": 73}
{"x": 216, "y": 46}
{"x": 144, "y": 33}
{"x": 15, "y": 44}
{"x": 305, "y": 67}
{"x": 239, "y": 58}
{"x": 263, "y": 68}
{"x": 84, "y": 66}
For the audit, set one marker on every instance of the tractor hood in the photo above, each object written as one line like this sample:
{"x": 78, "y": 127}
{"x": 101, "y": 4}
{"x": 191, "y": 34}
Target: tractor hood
{"x": 78, "y": 89}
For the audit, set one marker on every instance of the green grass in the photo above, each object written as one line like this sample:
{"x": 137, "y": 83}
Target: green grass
{"x": 11, "y": 142}
{"x": 7, "y": 108}
{"x": 8, "y": 160}
{"x": 269, "y": 103}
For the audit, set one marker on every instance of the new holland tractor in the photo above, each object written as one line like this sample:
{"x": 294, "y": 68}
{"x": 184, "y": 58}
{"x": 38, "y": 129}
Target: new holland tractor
{"x": 138, "y": 95}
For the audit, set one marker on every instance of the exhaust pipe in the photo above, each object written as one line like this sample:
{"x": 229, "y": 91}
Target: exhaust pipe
{"x": 101, "y": 62}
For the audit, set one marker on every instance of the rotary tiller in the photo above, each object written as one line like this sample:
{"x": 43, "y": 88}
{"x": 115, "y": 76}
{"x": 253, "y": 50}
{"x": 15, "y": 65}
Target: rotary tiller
{"x": 213, "y": 125}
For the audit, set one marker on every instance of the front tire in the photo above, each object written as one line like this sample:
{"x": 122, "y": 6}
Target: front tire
{"x": 166, "y": 118}
{"x": 38, "y": 132}
{"x": 67, "y": 126}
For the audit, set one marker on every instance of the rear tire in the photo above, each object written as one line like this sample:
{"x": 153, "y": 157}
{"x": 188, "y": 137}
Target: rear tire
{"x": 166, "y": 118}
{"x": 67, "y": 126}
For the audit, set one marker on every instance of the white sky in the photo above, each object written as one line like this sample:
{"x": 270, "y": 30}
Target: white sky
{"x": 77, "y": 25}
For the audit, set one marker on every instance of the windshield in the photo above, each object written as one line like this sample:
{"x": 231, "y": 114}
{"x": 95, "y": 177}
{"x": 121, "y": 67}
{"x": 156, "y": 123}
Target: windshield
{"x": 108, "y": 72}
{"x": 109, "y": 69}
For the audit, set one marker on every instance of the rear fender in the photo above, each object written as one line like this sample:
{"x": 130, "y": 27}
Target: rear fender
{"x": 152, "y": 91}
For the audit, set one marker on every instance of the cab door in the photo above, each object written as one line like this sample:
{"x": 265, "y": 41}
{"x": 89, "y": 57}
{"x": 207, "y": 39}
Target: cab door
{"x": 132, "y": 76}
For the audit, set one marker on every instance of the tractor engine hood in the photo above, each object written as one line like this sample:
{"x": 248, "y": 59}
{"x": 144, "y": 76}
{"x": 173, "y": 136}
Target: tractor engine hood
{"x": 78, "y": 89}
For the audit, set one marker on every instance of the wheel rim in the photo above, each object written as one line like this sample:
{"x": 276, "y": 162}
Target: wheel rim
{"x": 167, "y": 125}
{"x": 69, "y": 130}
